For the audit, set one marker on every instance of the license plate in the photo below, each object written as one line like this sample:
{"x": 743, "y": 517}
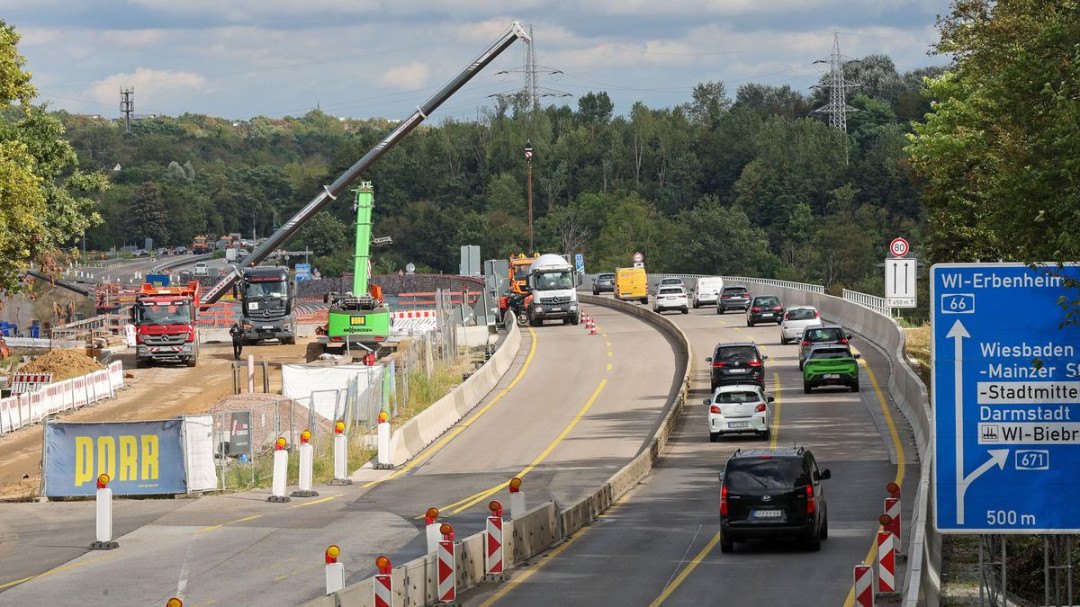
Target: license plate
{"x": 832, "y": 376}
{"x": 768, "y": 513}
{"x": 738, "y": 424}
{"x": 739, "y": 371}
{"x": 766, "y": 315}
{"x": 268, "y": 328}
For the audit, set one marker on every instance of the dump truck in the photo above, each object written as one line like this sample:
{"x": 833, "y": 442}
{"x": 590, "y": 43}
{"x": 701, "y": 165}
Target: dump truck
{"x": 200, "y": 245}
{"x": 268, "y": 297}
{"x": 164, "y": 319}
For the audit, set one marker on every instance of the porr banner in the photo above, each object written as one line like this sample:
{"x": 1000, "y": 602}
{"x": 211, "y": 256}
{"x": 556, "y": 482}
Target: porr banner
{"x": 141, "y": 458}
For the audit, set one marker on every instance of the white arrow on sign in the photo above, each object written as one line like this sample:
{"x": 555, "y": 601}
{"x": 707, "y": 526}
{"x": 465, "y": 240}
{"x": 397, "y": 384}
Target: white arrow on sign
{"x": 998, "y": 457}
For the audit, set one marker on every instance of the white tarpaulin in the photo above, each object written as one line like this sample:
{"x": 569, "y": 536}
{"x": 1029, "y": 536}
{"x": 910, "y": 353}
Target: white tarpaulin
{"x": 299, "y": 381}
{"x": 198, "y": 433}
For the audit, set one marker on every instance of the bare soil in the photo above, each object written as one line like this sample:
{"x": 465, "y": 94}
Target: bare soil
{"x": 152, "y": 393}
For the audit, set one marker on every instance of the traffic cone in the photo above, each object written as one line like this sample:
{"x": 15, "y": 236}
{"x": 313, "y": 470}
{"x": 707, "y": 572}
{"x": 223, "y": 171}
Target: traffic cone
{"x": 592, "y": 330}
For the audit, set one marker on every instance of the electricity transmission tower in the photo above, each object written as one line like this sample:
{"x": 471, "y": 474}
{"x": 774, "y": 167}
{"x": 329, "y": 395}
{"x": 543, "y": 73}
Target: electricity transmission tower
{"x": 837, "y": 107}
{"x": 532, "y": 89}
{"x": 127, "y": 106}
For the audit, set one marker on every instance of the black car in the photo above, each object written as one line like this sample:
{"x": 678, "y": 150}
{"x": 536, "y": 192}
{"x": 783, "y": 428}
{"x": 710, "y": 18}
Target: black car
{"x": 733, "y": 297}
{"x": 765, "y": 308}
{"x": 604, "y": 283}
{"x": 737, "y": 363}
{"x": 816, "y": 336}
{"x": 773, "y": 493}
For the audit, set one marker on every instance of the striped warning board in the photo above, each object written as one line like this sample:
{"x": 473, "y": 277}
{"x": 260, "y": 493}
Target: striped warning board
{"x": 383, "y": 593}
{"x": 493, "y": 555}
{"x": 886, "y": 562}
{"x": 892, "y": 508}
{"x": 864, "y": 586}
{"x": 22, "y": 383}
{"x": 447, "y": 582}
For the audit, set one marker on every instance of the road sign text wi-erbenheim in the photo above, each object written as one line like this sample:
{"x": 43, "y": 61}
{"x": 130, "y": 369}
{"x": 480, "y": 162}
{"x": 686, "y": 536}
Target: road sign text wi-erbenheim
{"x": 1006, "y": 399}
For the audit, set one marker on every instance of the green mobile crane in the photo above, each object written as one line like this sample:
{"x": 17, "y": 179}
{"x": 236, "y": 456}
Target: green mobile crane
{"x": 359, "y": 317}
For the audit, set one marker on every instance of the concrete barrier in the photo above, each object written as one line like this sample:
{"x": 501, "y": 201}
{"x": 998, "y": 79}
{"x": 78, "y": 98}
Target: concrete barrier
{"x": 534, "y": 532}
{"x": 422, "y": 430}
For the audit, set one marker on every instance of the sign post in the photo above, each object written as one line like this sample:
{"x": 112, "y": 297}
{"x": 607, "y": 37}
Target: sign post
{"x": 639, "y": 260}
{"x": 900, "y": 274}
{"x": 1006, "y": 394}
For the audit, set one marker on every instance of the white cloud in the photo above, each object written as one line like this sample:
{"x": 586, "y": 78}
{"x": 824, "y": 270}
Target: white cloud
{"x": 409, "y": 76}
{"x": 153, "y": 88}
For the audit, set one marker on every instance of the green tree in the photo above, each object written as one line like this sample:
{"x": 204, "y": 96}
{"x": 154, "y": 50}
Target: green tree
{"x": 147, "y": 217}
{"x": 714, "y": 239}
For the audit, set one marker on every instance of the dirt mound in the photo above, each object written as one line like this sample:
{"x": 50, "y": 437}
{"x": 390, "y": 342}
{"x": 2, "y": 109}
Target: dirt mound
{"x": 63, "y": 364}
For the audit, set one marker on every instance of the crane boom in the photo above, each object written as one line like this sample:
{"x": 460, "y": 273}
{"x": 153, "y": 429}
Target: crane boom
{"x": 332, "y": 191}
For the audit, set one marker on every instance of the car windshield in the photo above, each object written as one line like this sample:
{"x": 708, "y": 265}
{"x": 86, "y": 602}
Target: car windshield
{"x": 547, "y": 281}
{"x": 736, "y": 354}
{"x": 607, "y": 277}
{"x": 754, "y": 474}
{"x": 827, "y": 334}
{"x": 734, "y": 290}
{"x": 767, "y": 301}
{"x": 265, "y": 289}
{"x": 748, "y": 396}
{"x": 801, "y": 314}
{"x": 827, "y": 353}
{"x": 163, "y": 314}
{"x": 671, "y": 291}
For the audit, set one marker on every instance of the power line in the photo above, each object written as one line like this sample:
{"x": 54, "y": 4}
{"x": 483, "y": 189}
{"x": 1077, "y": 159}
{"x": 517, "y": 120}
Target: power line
{"x": 837, "y": 107}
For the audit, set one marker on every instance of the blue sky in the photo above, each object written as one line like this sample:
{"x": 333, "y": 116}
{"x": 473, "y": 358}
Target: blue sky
{"x": 363, "y": 58}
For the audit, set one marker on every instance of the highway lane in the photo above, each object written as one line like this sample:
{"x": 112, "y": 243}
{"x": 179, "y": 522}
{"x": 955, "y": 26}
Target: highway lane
{"x": 567, "y": 422}
{"x": 658, "y": 546}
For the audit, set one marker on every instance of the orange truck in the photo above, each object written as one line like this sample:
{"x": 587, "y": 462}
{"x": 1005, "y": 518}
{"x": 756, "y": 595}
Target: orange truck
{"x": 164, "y": 319}
{"x": 200, "y": 245}
{"x": 519, "y": 283}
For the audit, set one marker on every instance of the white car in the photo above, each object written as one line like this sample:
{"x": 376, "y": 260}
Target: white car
{"x": 671, "y": 298}
{"x": 739, "y": 408}
{"x": 707, "y": 290}
{"x": 201, "y": 269}
{"x": 796, "y": 320}
{"x": 670, "y": 282}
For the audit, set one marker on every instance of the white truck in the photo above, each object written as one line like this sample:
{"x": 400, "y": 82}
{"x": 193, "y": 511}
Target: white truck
{"x": 554, "y": 293}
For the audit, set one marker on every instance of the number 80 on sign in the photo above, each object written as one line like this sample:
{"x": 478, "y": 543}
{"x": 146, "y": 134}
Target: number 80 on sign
{"x": 958, "y": 303}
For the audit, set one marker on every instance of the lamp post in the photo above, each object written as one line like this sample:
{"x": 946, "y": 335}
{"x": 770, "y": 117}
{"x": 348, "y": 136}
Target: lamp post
{"x": 528, "y": 163}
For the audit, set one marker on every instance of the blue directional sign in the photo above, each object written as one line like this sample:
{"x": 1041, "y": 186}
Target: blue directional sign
{"x": 579, "y": 262}
{"x": 1006, "y": 399}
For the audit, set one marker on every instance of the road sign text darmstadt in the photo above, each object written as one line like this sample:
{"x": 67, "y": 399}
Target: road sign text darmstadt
{"x": 1006, "y": 399}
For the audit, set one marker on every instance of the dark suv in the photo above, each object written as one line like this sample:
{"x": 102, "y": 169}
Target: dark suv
{"x": 816, "y": 336}
{"x": 733, "y": 297}
{"x": 737, "y": 363}
{"x": 604, "y": 283}
{"x": 766, "y": 493}
{"x": 765, "y": 308}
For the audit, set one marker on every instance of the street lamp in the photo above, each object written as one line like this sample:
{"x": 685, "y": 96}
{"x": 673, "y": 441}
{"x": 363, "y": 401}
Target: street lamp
{"x": 528, "y": 162}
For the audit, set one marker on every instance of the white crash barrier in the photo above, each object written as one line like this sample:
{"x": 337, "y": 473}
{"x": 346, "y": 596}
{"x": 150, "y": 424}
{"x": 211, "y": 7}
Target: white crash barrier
{"x": 67, "y": 395}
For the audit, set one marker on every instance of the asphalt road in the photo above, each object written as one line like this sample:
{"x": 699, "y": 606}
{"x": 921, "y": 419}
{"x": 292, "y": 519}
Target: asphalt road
{"x": 658, "y": 545}
{"x": 572, "y": 409}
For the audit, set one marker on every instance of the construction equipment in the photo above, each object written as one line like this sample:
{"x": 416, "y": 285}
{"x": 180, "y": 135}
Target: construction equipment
{"x": 518, "y": 289}
{"x": 164, "y": 319}
{"x": 335, "y": 189}
{"x": 200, "y": 245}
{"x": 552, "y": 291}
{"x": 267, "y": 296}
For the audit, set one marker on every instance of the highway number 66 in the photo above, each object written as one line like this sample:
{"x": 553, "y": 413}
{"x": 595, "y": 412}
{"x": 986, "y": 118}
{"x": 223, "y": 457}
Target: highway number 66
{"x": 958, "y": 303}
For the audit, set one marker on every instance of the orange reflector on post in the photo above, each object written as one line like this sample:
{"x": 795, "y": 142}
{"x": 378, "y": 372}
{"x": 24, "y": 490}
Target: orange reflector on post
{"x": 174, "y": 602}
{"x": 102, "y": 481}
{"x": 280, "y": 443}
{"x": 383, "y": 417}
{"x": 305, "y": 436}
{"x": 332, "y": 553}
{"x": 447, "y": 530}
{"x": 431, "y": 515}
{"x": 339, "y": 427}
{"x": 495, "y": 507}
{"x": 515, "y": 484}
{"x": 885, "y": 520}
{"x": 383, "y": 564}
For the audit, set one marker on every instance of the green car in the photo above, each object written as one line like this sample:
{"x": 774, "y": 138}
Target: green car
{"x": 831, "y": 365}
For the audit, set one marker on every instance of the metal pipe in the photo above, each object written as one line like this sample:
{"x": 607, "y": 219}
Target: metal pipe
{"x": 335, "y": 189}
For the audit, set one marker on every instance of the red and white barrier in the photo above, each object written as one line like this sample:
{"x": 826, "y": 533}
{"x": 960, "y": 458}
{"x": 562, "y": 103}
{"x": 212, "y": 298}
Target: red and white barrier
{"x": 335, "y": 571}
{"x": 493, "y": 547}
{"x": 281, "y": 468}
{"x": 886, "y": 559}
{"x": 384, "y": 584}
{"x": 116, "y": 376}
{"x": 66, "y": 395}
{"x": 6, "y": 420}
{"x": 447, "y": 567}
{"x": 341, "y": 455}
{"x": 382, "y": 429}
{"x": 37, "y": 406}
{"x": 80, "y": 393}
{"x": 892, "y": 509}
{"x": 864, "y": 586}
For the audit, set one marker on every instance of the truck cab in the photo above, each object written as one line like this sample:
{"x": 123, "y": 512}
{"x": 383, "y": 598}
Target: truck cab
{"x": 268, "y": 296}
{"x": 554, "y": 293}
{"x": 164, "y": 319}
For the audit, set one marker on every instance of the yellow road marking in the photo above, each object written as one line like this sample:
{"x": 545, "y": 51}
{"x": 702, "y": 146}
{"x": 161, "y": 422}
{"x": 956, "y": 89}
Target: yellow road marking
{"x": 312, "y": 503}
{"x": 609, "y": 367}
{"x": 738, "y": 329}
{"x": 536, "y": 462}
{"x": 547, "y": 559}
{"x": 776, "y": 411}
{"x": 239, "y": 520}
{"x": 609, "y": 344}
{"x": 690, "y": 567}
{"x": 57, "y": 570}
{"x": 604, "y": 335}
{"x": 900, "y": 468}
{"x": 610, "y": 354}
{"x": 461, "y": 427}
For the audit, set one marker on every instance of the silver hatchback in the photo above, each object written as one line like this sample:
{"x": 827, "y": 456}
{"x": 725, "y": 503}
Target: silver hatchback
{"x": 796, "y": 320}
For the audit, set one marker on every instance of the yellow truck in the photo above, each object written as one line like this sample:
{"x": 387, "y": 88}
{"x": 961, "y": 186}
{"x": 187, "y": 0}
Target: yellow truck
{"x": 631, "y": 284}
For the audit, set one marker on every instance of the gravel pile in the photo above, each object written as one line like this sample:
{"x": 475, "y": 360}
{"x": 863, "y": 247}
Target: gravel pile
{"x": 63, "y": 364}
{"x": 262, "y": 407}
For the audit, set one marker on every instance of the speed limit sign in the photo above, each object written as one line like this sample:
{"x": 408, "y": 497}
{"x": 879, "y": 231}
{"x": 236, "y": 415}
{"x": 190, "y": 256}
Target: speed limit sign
{"x": 638, "y": 258}
{"x": 898, "y": 247}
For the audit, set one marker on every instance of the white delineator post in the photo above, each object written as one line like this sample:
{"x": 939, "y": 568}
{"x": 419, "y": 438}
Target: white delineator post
{"x": 384, "y": 585}
{"x": 103, "y": 505}
{"x": 493, "y": 546}
{"x": 341, "y": 455}
{"x": 307, "y": 464}
{"x": 335, "y": 571}
{"x": 383, "y": 437}
{"x": 432, "y": 530}
{"x": 864, "y": 586}
{"x": 517, "y": 499}
{"x": 281, "y": 469}
{"x": 447, "y": 567}
{"x": 886, "y": 560}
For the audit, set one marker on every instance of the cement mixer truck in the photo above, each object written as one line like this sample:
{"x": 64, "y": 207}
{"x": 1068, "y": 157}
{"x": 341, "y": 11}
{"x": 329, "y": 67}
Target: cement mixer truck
{"x": 554, "y": 293}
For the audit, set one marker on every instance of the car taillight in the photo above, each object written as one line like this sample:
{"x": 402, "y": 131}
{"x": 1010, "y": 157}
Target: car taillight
{"x": 810, "y": 505}
{"x": 723, "y": 501}
{"x": 787, "y": 316}
{"x": 754, "y": 363}
{"x": 816, "y": 315}
{"x": 717, "y": 365}
{"x": 778, "y": 307}
{"x": 755, "y": 309}
{"x": 760, "y": 408}
{"x": 805, "y": 343}
{"x": 725, "y": 297}
{"x": 714, "y": 409}
{"x": 843, "y": 341}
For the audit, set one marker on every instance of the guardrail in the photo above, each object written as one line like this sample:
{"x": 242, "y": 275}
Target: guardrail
{"x": 873, "y": 302}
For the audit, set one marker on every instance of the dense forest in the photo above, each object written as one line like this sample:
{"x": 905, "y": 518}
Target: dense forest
{"x": 753, "y": 183}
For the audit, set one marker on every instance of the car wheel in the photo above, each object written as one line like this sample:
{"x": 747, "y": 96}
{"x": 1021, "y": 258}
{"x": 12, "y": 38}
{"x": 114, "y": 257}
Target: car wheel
{"x": 767, "y": 434}
{"x": 718, "y": 311}
{"x": 825, "y": 527}
{"x": 595, "y": 292}
{"x": 779, "y": 322}
{"x": 714, "y": 436}
{"x": 783, "y": 340}
{"x": 645, "y": 301}
{"x": 855, "y": 386}
{"x": 806, "y": 388}
{"x": 685, "y": 311}
{"x": 575, "y": 319}
{"x": 726, "y": 545}
{"x": 748, "y": 323}
{"x": 696, "y": 304}
{"x": 814, "y": 543}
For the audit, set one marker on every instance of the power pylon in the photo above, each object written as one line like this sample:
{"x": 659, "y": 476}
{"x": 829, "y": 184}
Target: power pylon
{"x": 127, "y": 106}
{"x": 532, "y": 71}
{"x": 837, "y": 107}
